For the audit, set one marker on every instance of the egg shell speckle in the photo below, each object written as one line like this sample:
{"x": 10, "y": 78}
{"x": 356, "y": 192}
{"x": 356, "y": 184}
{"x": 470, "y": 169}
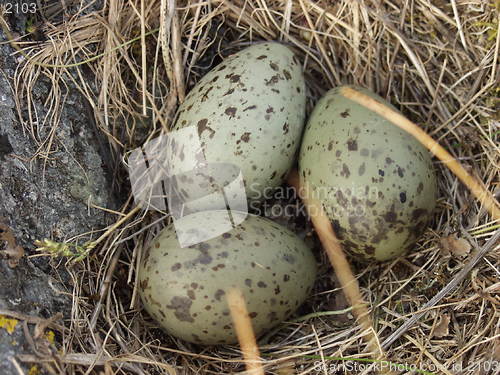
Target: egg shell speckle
{"x": 184, "y": 288}
{"x": 376, "y": 181}
{"x": 250, "y": 111}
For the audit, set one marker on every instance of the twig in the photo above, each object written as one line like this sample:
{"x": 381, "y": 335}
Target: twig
{"x": 105, "y": 287}
{"x": 32, "y": 319}
{"x": 303, "y": 318}
{"x": 177, "y": 55}
{"x": 244, "y": 330}
{"x": 90, "y": 359}
{"x": 339, "y": 262}
{"x": 16, "y": 365}
{"x": 143, "y": 60}
{"x": 116, "y": 225}
{"x": 319, "y": 314}
{"x": 459, "y": 25}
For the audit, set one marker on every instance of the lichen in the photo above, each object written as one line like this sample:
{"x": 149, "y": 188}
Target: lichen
{"x": 50, "y": 335}
{"x": 8, "y": 324}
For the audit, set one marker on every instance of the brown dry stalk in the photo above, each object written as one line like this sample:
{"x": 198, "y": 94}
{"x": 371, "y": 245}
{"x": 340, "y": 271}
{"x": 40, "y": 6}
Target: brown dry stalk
{"x": 339, "y": 262}
{"x": 177, "y": 56}
{"x": 483, "y": 195}
{"x": 113, "y": 227}
{"x": 244, "y": 330}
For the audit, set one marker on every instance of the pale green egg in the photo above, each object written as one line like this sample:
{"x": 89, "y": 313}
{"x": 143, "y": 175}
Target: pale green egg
{"x": 376, "y": 181}
{"x": 184, "y": 289}
{"x": 249, "y": 111}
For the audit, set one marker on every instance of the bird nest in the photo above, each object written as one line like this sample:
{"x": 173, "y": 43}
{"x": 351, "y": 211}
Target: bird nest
{"x": 436, "y": 61}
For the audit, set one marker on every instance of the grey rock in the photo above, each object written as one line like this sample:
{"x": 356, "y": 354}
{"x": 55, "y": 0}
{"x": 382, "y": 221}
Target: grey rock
{"x": 25, "y": 289}
{"x": 45, "y": 199}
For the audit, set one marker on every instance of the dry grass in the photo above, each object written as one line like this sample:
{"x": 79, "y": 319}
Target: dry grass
{"x": 437, "y": 61}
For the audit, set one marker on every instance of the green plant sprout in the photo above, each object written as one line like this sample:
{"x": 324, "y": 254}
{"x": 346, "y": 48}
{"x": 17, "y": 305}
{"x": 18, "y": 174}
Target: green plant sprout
{"x": 70, "y": 250}
{"x": 80, "y": 252}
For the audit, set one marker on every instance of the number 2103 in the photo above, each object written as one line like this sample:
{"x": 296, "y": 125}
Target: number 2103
{"x": 20, "y": 8}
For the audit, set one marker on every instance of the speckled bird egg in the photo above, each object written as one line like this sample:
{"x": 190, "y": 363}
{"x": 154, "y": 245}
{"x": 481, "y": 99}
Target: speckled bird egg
{"x": 184, "y": 288}
{"x": 376, "y": 181}
{"x": 249, "y": 111}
